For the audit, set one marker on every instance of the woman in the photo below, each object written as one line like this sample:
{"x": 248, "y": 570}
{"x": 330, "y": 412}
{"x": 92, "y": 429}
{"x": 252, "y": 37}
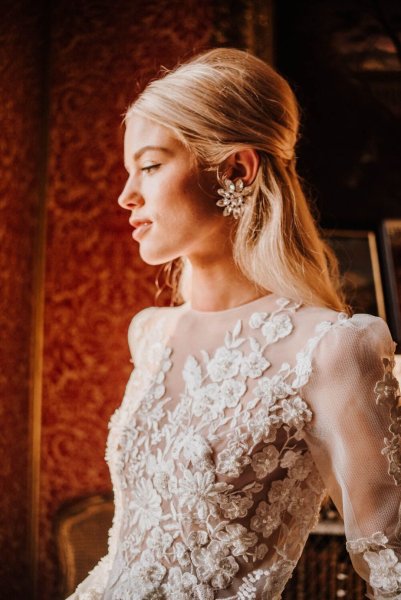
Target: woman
{"x": 257, "y": 394}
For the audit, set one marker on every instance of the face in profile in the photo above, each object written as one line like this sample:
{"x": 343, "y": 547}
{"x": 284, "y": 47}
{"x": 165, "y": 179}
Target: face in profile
{"x": 172, "y": 203}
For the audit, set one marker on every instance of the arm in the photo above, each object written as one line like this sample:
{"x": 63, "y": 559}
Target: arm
{"x": 93, "y": 587}
{"x": 355, "y": 440}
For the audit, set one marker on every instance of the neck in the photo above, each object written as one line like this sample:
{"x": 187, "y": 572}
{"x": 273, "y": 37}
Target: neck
{"x": 220, "y": 286}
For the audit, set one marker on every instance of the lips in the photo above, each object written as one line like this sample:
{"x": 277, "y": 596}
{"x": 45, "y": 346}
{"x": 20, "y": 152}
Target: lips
{"x": 136, "y": 223}
{"x": 140, "y": 227}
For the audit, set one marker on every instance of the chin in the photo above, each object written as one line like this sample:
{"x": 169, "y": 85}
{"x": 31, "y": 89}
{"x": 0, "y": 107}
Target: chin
{"x": 156, "y": 258}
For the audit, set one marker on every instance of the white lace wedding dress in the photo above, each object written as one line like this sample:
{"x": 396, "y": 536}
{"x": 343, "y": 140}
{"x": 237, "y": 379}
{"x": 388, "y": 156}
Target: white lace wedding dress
{"x": 233, "y": 425}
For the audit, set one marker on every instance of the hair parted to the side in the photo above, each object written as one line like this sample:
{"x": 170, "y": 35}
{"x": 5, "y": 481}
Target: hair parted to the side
{"x": 225, "y": 100}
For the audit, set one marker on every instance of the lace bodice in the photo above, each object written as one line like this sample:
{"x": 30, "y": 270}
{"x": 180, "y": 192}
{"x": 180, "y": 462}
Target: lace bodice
{"x": 232, "y": 427}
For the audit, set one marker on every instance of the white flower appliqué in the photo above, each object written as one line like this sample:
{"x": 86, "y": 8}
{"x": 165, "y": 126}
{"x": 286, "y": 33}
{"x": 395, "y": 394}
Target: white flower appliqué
{"x": 279, "y": 326}
{"x": 225, "y": 364}
{"x": 213, "y": 563}
{"x": 191, "y": 462}
{"x": 145, "y": 505}
{"x": 385, "y": 570}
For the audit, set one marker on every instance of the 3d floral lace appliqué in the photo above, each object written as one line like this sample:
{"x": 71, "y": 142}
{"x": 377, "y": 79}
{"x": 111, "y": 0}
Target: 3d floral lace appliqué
{"x": 384, "y": 565}
{"x": 220, "y": 482}
{"x": 388, "y": 394}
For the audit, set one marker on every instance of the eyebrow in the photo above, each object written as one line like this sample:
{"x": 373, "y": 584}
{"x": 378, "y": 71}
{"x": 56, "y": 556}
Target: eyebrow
{"x": 141, "y": 151}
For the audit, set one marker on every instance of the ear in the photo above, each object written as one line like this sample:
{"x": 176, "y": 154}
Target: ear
{"x": 242, "y": 164}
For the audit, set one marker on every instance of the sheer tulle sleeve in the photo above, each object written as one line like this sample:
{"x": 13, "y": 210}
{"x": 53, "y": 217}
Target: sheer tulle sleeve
{"x": 355, "y": 439}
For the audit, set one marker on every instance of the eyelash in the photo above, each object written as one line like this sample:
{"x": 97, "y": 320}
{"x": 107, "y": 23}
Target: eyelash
{"x": 150, "y": 168}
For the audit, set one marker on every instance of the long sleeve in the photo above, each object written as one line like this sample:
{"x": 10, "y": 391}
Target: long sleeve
{"x": 355, "y": 441}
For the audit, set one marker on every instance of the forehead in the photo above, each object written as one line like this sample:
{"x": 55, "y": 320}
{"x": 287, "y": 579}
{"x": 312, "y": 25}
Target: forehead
{"x": 142, "y": 132}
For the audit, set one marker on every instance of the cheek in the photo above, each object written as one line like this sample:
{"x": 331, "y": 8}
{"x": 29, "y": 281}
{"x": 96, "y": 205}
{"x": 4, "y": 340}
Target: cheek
{"x": 184, "y": 209}
{"x": 184, "y": 223}
{"x": 183, "y": 202}
{"x": 194, "y": 217}
{"x": 200, "y": 198}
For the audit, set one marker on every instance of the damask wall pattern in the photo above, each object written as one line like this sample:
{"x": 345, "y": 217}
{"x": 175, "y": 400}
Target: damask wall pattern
{"x": 102, "y": 53}
{"x": 20, "y": 156}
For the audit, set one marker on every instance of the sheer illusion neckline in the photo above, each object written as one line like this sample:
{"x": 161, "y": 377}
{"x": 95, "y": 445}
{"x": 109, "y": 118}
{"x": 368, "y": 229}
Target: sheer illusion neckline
{"x": 233, "y": 309}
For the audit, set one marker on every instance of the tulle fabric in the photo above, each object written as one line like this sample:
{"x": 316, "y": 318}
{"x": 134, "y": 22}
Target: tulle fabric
{"x": 233, "y": 426}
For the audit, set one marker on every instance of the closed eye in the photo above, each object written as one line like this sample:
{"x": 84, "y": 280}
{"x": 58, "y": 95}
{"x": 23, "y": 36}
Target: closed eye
{"x": 150, "y": 168}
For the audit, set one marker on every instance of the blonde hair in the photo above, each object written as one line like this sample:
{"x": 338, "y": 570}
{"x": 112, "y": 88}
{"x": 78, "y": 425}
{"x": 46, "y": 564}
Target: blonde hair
{"x": 223, "y": 101}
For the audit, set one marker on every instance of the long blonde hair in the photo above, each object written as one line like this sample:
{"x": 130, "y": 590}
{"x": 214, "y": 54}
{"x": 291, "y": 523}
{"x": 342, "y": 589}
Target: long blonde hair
{"x": 225, "y": 100}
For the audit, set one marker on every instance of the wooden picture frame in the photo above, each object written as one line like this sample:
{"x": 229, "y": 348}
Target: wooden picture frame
{"x": 360, "y": 269}
{"x": 391, "y": 250}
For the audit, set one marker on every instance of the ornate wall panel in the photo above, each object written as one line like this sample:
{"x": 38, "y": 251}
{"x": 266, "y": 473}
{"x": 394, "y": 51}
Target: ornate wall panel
{"x": 100, "y": 55}
{"x": 95, "y": 281}
{"x": 20, "y": 78}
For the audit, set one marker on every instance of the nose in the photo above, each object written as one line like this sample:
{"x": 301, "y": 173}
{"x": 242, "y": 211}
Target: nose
{"x": 129, "y": 196}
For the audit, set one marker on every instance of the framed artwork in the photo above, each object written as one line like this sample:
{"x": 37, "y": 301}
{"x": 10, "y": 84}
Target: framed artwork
{"x": 360, "y": 269}
{"x": 391, "y": 245}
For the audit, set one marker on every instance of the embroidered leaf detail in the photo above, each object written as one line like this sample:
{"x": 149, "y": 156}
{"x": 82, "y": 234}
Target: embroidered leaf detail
{"x": 282, "y": 302}
{"x": 255, "y": 346}
{"x": 192, "y": 373}
{"x": 205, "y": 356}
{"x": 231, "y": 339}
{"x": 237, "y": 328}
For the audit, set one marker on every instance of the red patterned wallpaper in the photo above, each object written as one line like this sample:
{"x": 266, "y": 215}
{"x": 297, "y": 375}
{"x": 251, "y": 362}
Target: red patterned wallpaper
{"x": 95, "y": 281}
{"x": 20, "y": 78}
{"x": 74, "y": 89}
